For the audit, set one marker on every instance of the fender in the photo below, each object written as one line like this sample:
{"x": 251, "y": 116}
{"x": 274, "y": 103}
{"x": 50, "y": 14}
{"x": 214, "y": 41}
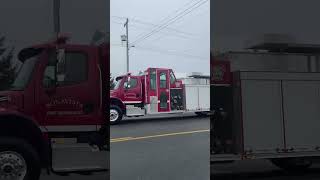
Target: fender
{"x": 28, "y": 128}
{"x": 118, "y": 102}
{"x": 6, "y": 112}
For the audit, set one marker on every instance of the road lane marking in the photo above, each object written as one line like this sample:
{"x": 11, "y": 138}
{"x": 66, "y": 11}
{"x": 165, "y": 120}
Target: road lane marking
{"x": 121, "y": 139}
{"x": 156, "y": 136}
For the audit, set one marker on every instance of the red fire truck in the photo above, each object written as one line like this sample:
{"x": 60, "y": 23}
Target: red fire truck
{"x": 156, "y": 91}
{"x": 266, "y": 105}
{"x": 53, "y": 116}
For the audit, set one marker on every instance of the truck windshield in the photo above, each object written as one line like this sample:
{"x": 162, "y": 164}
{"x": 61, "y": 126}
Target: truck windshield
{"x": 24, "y": 74}
{"x": 118, "y": 83}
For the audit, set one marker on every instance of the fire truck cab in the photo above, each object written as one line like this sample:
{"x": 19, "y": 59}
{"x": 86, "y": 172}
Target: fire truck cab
{"x": 53, "y": 116}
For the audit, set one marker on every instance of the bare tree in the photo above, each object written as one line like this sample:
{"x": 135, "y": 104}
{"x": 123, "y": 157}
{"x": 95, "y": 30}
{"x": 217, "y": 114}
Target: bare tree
{"x": 7, "y": 69}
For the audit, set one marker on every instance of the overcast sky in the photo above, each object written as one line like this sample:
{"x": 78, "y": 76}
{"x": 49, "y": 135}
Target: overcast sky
{"x": 29, "y": 22}
{"x": 233, "y": 21}
{"x": 183, "y": 46}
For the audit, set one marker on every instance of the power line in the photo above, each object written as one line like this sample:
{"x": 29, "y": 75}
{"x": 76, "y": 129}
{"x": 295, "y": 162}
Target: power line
{"x": 171, "y": 29}
{"x": 155, "y": 25}
{"x": 177, "y": 35}
{"x": 172, "y": 20}
{"x": 150, "y": 28}
{"x": 164, "y": 19}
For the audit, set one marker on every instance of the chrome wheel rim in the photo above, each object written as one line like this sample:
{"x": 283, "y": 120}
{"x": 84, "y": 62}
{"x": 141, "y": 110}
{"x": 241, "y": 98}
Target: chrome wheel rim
{"x": 12, "y": 166}
{"x": 114, "y": 115}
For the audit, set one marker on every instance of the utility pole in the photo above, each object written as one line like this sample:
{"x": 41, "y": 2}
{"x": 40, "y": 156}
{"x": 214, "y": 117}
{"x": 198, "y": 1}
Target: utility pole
{"x": 56, "y": 17}
{"x": 127, "y": 35}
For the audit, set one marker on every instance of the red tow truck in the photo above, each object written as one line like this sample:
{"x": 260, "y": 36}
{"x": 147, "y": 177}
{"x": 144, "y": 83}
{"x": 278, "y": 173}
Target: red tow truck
{"x": 54, "y": 114}
{"x": 156, "y": 91}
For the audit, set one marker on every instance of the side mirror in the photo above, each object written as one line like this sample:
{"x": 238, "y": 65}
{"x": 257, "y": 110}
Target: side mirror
{"x": 126, "y": 85}
{"x": 60, "y": 55}
{"x": 49, "y": 79}
{"x": 60, "y": 66}
{"x": 55, "y": 64}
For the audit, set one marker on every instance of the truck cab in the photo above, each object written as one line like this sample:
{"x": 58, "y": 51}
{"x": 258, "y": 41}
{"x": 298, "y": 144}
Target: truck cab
{"x": 56, "y": 108}
{"x": 128, "y": 89}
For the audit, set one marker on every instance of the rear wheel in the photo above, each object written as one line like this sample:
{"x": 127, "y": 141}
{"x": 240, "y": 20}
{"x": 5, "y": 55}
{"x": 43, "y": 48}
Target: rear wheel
{"x": 18, "y": 160}
{"x": 115, "y": 114}
{"x": 293, "y": 164}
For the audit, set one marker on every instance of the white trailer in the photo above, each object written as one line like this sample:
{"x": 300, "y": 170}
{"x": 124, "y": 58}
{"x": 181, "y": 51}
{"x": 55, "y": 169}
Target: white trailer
{"x": 197, "y": 93}
{"x": 274, "y": 109}
{"x": 197, "y": 97}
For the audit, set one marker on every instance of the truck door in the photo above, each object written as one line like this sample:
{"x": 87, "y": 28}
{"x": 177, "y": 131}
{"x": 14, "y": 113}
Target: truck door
{"x": 75, "y": 98}
{"x": 132, "y": 90}
{"x": 69, "y": 97}
{"x": 163, "y": 90}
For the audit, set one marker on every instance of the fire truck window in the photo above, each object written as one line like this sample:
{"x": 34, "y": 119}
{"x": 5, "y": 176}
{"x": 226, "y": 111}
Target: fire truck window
{"x": 172, "y": 78}
{"x": 132, "y": 83}
{"x": 163, "y": 80}
{"x": 153, "y": 80}
{"x": 75, "y": 69}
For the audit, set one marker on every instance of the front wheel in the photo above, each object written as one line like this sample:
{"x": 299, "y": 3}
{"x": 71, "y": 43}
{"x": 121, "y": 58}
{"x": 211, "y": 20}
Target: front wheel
{"x": 115, "y": 114}
{"x": 18, "y": 160}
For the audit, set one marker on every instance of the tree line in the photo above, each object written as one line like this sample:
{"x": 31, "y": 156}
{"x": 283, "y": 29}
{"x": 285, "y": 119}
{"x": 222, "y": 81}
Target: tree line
{"x": 7, "y": 68}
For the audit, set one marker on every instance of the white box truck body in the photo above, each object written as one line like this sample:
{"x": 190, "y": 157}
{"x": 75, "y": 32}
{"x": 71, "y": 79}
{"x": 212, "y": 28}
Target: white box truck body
{"x": 271, "y": 111}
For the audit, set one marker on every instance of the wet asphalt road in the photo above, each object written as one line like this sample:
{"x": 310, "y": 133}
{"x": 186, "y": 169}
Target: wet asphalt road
{"x": 176, "y": 148}
{"x": 161, "y": 148}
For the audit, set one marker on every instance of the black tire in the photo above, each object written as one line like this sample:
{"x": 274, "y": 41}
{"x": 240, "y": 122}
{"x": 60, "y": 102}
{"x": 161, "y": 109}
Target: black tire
{"x": 28, "y": 153}
{"x": 293, "y": 164}
{"x": 116, "y": 109}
